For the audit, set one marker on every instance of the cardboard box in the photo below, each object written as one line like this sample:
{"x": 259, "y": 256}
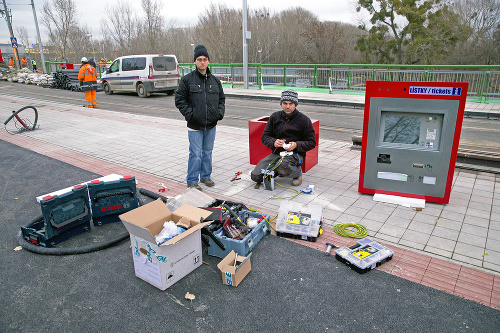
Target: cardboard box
{"x": 164, "y": 265}
{"x": 234, "y": 272}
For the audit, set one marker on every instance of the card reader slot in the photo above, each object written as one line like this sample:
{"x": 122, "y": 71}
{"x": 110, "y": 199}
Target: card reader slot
{"x": 384, "y": 158}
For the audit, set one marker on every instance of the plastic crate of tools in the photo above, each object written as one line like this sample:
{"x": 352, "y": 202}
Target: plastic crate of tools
{"x": 65, "y": 215}
{"x": 111, "y": 196}
{"x": 298, "y": 222}
{"x": 241, "y": 246}
{"x": 364, "y": 255}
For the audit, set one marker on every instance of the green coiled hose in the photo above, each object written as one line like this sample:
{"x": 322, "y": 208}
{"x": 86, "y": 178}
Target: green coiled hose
{"x": 350, "y": 230}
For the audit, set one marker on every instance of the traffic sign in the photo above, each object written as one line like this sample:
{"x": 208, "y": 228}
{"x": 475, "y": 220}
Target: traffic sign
{"x": 13, "y": 40}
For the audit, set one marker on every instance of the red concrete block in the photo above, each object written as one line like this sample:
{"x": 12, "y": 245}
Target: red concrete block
{"x": 496, "y": 283}
{"x": 258, "y": 151}
{"x": 495, "y": 299}
{"x": 469, "y": 294}
{"x": 439, "y": 278}
{"x": 468, "y": 287}
{"x": 430, "y": 281}
{"x": 444, "y": 268}
{"x": 477, "y": 278}
{"x": 409, "y": 272}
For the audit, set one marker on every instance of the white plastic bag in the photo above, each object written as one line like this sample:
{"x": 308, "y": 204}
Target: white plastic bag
{"x": 169, "y": 231}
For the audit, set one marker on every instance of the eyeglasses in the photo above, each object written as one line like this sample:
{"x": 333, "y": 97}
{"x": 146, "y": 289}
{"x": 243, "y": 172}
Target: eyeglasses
{"x": 202, "y": 59}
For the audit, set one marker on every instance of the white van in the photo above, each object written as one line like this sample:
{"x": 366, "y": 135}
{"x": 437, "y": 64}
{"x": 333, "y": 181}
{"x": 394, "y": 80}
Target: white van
{"x": 143, "y": 74}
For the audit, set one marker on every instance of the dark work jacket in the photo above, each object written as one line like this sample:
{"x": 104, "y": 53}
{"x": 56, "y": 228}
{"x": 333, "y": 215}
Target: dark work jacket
{"x": 201, "y": 100}
{"x": 297, "y": 128}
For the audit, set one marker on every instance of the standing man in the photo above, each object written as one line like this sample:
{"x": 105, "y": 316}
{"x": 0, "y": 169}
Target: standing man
{"x": 201, "y": 100}
{"x": 88, "y": 82}
{"x": 23, "y": 62}
{"x": 33, "y": 63}
{"x": 11, "y": 62}
{"x": 286, "y": 131}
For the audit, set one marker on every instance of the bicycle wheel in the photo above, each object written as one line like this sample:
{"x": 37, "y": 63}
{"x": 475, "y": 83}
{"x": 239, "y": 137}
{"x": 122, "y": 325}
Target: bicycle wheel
{"x": 24, "y": 119}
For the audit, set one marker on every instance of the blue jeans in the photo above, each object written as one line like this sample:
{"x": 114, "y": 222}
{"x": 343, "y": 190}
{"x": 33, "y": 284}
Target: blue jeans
{"x": 201, "y": 144}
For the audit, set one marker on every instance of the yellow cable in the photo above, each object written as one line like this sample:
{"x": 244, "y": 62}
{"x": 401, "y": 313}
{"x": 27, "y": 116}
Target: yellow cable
{"x": 346, "y": 230}
{"x": 292, "y": 196}
{"x": 264, "y": 216}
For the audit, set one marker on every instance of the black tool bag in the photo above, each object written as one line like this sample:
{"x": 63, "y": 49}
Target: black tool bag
{"x": 89, "y": 85}
{"x": 289, "y": 164}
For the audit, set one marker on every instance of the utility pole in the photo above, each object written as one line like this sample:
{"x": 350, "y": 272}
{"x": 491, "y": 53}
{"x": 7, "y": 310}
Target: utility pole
{"x": 92, "y": 42}
{"x": 246, "y": 36}
{"x": 8, "y": 17}
{"x": 245, "y": 46}
{"x": 40, "y": 46}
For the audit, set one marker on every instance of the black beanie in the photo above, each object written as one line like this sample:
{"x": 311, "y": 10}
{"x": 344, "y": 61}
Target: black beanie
{"x": 200, "y": 50}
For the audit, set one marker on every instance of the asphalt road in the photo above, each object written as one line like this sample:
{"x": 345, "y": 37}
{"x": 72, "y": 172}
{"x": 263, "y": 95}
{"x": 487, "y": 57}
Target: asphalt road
{"x": 291, "y": 288}
{"x": 336, "y": 123}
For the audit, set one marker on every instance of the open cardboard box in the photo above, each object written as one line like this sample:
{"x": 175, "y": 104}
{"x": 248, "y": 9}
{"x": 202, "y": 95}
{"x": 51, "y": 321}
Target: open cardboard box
{"x": 234, "y": 271}
{"x": 166, "y": 264}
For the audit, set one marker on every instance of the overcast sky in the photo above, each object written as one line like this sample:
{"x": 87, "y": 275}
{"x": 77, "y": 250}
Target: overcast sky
{"x": 184, "y": 11}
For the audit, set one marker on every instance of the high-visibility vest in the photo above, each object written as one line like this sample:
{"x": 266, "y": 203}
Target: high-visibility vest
{"x": 33, "y": 62}
{"x": 88, "y": 76}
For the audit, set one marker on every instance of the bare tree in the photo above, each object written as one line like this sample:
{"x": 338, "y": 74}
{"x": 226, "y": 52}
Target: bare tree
{"x": 24, "y": 38}
{"x": 122, "y": 25}
{"x": 323, "y": 41}
{"x": 80, "y": 43}
{"x": 479, "y": 46}
{"x": 290, "y": 24}
{"x": 219, "y": 29}
{"x": 60, "y": 17}
{"x": 178, "y": 41}
{"x": 152, "y": 25}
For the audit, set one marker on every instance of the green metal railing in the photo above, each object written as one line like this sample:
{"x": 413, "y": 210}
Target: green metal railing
{"x": 484, "y": 80}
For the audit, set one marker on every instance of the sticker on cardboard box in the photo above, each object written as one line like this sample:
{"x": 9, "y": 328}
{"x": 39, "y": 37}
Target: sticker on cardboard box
{"x": 229, "y": 279}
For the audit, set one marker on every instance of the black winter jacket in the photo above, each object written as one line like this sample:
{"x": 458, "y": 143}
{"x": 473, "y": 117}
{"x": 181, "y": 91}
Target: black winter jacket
{"x": 297, "y": 128}
{"x": 201, "y": 100}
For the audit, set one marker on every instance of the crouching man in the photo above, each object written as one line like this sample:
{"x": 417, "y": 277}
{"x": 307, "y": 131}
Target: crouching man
{"x": 286, "y": 131}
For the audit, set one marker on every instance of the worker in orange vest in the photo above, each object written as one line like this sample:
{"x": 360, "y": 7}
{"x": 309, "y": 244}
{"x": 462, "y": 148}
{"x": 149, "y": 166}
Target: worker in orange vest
{"x": 23, "y": 62}
{"x": 88, "y": 82}
{"x": 11, "y": 62}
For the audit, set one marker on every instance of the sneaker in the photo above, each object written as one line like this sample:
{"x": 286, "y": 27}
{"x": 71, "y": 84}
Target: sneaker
{"x": 297, "y": 181}
{"x": 196, "y": 186}
{"x": 209, "y": 182}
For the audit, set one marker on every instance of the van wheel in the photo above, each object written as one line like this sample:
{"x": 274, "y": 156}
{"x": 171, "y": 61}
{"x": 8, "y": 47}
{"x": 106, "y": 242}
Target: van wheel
{"x": 141, "y": 90}
{"x": 107, "y": 89}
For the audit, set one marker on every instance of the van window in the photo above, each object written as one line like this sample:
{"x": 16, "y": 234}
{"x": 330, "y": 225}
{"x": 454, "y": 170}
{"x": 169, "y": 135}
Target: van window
{"x": 115, "y": 66}
{"x": 133, "y": 64}
{"x": 164, "y": 64}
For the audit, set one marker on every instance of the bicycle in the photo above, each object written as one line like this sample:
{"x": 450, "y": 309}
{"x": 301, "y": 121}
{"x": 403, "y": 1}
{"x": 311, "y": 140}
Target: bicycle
{"x": 27, "y": 121}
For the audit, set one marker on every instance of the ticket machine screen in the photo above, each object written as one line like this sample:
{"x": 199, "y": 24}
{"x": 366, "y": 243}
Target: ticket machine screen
{"x": 411, "y": 130}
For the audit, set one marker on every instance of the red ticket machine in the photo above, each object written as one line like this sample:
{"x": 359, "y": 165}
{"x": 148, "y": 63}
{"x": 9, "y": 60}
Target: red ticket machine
{"x": 411, "y": 132}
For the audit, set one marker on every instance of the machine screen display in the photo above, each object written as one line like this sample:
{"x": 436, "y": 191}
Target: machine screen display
{"x": 402, "y": 129}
